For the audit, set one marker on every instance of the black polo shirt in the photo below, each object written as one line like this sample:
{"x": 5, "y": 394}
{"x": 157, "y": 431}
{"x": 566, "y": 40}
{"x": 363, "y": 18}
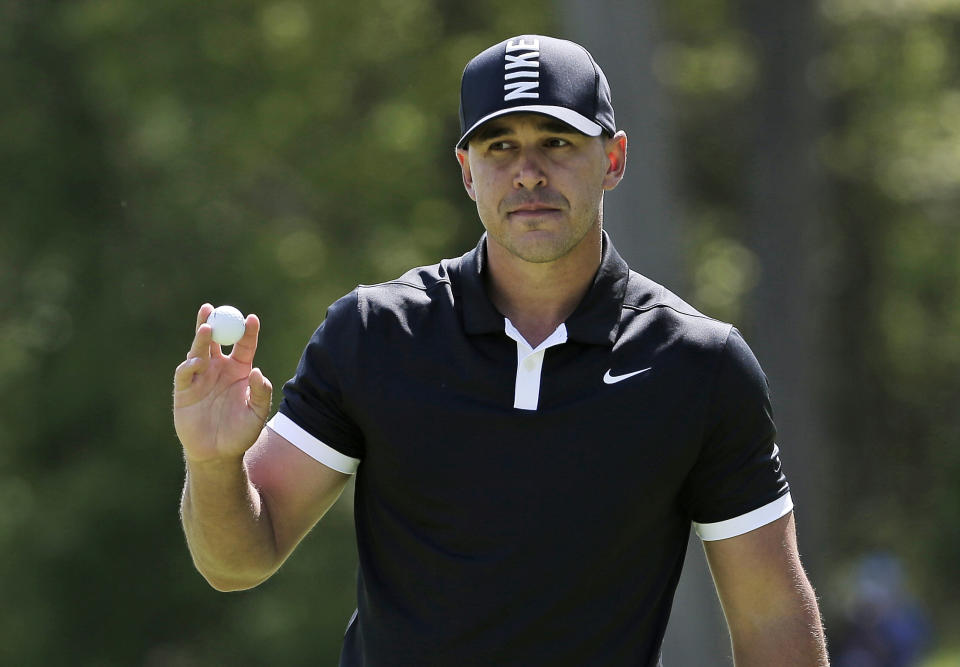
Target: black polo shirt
{"x": 521, "y": 506}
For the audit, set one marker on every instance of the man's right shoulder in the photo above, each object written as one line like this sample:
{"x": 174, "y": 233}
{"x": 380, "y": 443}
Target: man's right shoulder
{"x": 421, "y": 289}
{"x": 419, "y": 279}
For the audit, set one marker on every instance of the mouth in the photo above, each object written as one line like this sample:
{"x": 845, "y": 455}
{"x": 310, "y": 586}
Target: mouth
{"x": 533, "y": 210}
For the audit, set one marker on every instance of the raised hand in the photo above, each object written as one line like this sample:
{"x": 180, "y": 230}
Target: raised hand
{"x": 220, "y": 402}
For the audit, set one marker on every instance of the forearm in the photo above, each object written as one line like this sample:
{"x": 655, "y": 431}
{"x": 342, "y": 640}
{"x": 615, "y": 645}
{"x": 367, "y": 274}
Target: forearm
{"x": 227, "y": 525}
{"x": 792, "y": 637}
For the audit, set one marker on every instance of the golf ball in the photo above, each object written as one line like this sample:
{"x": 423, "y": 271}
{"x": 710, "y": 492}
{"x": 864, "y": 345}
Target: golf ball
{"x": 228, "y": 325}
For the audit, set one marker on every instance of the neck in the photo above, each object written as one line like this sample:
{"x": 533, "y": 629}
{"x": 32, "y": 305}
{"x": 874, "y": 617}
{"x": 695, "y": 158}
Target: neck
{"x": 538, "y": 297}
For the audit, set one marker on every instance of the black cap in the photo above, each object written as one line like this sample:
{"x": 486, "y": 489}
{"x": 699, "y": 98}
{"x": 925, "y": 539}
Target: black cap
{"x": 536, "y": 74}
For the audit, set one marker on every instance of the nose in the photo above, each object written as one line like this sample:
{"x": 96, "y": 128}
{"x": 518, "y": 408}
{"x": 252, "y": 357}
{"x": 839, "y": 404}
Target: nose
{"x": 530, "y": 174}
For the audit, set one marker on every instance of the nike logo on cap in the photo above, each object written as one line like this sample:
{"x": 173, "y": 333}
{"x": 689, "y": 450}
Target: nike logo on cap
{"x": 608, "y": 378}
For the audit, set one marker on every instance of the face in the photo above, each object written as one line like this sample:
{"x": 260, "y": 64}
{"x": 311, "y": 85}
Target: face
{"x": 538, "y": 183}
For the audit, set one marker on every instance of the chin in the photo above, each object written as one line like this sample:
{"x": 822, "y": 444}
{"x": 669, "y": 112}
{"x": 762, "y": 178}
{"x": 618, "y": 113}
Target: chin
{"x": 547, "y": 248}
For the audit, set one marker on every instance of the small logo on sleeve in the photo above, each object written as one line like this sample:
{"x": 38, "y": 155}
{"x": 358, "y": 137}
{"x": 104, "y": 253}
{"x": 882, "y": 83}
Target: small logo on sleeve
{"x": 524, "y": 65}
{"x": 610, "y": 378}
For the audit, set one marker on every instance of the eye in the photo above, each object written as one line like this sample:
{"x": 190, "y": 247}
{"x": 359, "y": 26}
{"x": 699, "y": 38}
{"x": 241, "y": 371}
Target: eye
{"x": 500, "y": 146}
{"x": 557, "y": 142}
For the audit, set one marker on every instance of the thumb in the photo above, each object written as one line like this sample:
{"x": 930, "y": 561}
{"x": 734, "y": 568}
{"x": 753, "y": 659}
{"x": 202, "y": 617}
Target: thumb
{"x": 261, "y": 393}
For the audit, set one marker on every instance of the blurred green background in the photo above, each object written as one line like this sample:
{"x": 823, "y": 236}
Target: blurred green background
{"x": 272, "y": 155}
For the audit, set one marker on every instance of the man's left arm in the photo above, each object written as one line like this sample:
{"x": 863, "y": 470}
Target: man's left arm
{"x": 770, "y": 606}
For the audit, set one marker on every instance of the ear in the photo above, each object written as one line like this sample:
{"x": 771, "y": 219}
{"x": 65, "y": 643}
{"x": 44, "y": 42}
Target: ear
{"x": 615, "y": 149}
{"x": 464, "y": 159}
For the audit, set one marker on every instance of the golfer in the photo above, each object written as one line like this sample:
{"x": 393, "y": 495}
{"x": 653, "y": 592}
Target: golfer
{"x": 534, "y": 427}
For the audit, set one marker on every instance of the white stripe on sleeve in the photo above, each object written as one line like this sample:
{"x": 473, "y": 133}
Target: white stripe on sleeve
{"x": 311, "y": 446}
{"x": 744, "y": 523}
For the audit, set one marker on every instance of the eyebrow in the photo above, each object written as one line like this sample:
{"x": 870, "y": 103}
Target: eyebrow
{"x": 493, "y": 129}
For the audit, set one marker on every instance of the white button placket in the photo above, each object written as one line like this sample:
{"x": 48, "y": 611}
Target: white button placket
{"x": 526, "y": 394}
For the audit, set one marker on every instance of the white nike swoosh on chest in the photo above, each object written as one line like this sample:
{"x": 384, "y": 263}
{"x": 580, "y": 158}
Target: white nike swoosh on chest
{"x": 608, "y": 378}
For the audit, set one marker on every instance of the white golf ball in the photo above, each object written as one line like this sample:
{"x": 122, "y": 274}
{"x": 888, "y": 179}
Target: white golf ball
{"x": 228, "y": 325}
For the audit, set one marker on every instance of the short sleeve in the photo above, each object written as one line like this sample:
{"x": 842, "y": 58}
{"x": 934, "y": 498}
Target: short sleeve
{"x": 312, "y": 414}
{"x": 737, "y": 483}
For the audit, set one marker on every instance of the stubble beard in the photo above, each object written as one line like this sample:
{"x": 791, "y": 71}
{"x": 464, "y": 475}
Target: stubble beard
{"x": 522, "y": 240}
{"x": 531, "y": 243}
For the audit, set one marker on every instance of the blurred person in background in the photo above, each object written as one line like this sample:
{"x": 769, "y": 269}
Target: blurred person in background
{"x": 884, "y": 626}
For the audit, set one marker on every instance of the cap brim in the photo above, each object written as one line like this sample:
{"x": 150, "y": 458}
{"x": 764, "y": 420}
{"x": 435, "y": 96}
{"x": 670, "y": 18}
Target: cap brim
{"x": 568, "y": 116}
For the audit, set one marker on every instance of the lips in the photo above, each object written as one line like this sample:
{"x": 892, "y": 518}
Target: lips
{"x": 533, "y": 211}
{"x": 531, "y": 208}
{"x": 522, "y": 204}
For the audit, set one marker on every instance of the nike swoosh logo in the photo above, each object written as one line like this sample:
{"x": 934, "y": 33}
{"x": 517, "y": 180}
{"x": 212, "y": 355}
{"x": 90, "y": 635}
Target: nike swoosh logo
{"x": 608, "y": 378}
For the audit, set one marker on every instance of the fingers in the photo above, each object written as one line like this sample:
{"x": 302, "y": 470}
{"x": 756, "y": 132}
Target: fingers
{"x": 198, "y": 358}
{"x": 202, "y": 339}
{"x": 201, "y": 343}
{"x": 245, "y": 348}
{"x": 261, "y": 393}
{"x": 183, "y": 377}
{"x": 202, "y": 315}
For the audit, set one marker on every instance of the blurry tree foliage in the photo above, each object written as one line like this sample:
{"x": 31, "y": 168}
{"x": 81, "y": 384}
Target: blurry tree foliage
{"x": 153, "y": 156}
{"x": 886, "y": 258}
{"x": 892, "y": 81}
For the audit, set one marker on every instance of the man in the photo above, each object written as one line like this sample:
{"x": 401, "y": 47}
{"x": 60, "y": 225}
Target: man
{"x": 533, "y": 426}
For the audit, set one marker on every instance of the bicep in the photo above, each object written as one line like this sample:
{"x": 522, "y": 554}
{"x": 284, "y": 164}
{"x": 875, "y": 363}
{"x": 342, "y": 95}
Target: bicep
{"x": 768, "y": 602}
{"x": 296, "y": 488}
{"x": 758, "y": 574}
